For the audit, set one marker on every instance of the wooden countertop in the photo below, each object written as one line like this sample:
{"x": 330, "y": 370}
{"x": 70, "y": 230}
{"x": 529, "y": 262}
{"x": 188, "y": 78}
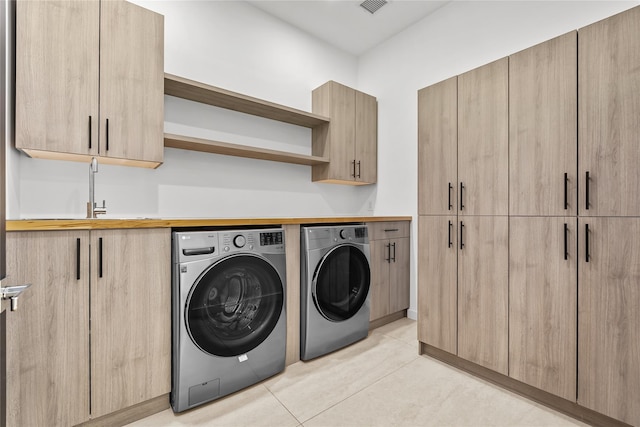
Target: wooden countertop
{"x": 99, "y": 224}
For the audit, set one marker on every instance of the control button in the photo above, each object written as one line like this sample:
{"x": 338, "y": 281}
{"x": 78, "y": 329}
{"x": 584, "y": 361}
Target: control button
{"x": 251, "y": 247}
{"x": 239, "y": 241}
{"x": 226, "y": 248}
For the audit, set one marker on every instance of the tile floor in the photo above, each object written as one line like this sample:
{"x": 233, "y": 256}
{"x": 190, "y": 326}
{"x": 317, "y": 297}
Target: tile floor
{"x": 380, "y": 381}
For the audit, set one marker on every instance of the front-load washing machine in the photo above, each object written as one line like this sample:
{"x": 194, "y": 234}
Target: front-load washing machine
{"x": 335, "y": 279}
{"x": 228, "y": 314}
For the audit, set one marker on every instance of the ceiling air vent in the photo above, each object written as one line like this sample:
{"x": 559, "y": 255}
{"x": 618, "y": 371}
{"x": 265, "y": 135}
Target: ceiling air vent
{"x": 373, "y": 5}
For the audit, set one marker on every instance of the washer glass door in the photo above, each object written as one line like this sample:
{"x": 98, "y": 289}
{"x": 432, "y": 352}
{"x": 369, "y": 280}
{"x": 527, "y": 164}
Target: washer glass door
{"x": 341, "y": 283}
{"x": 234, "y": 305}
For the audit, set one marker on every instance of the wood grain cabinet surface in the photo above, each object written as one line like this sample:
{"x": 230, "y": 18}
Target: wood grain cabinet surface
{"x": 53, "y": 364}
{"x": 390, "y": 267}
{"x": 609, "y": 317}
{"x": 543, "y": 292}
{"x": 609, "y": 108}
{"x": 350, "y": 140}
{"x": 543, "y": 108}
{"x": 90, "y": 81}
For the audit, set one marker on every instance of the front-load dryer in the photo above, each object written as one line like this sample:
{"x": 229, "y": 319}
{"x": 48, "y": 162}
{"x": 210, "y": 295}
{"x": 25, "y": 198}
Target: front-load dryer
{"x": 335, "y": 280}
{"x": 228, "y": 314}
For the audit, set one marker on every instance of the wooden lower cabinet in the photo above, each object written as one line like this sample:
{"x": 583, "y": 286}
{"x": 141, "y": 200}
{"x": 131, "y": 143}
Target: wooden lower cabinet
{"x": 543, "y": 292}
{"x": 390, "y": 260}
{"x": 609, "y": 317}
{"x": 438, "y": 282}
{"x": 77, "y": 334}
{"x": 483, "y": 275}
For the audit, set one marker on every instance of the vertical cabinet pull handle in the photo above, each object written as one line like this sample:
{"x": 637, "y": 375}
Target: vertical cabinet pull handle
{"x": 394, "y": 252}
{"x": 586, "y": 188}
{"x": 100, "y": 257}
{"x": 461, "y": 235}
{"x": 566, "y": 197}
{"x": 353, "y": 162}
{"x": 587, "y": 255}
{"x": 566, "y": 247}
{"x": 450, "y": 227}
{"x": 359, "y": 169}
{"x": 107, "y": 129}
{"x": 388, "y": 258}
{"x": 78, "y": 259}
{"x": 461, "y": 188}
{"x": 89, "y": 132}
{"x": 450, "y": 188}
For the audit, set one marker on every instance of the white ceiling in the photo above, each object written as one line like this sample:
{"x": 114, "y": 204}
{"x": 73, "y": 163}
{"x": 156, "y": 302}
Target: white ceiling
{"x": 347, "y": 25}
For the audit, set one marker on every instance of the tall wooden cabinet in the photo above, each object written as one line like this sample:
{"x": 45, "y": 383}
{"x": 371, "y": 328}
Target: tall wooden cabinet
{"x": 90, "y": 81}
{"x": 350, "y": 140}
{"x": 390, "y": 261}
{"x": 609, "y": 107}
{"x": 95, "y": 323}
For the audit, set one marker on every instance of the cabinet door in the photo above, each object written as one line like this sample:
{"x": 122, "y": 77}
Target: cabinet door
{"x": 609, "y": 317}
{"x": 131, "y": 82}
{"x": 48, "y": 336}
{"x": 437, "y": 282}
{"x": 57, "y": 48}
{"x": 438, "y": 148}
{"x": 609, "y": 107}
{"x": 130, "y": 317}
{"x": 380, "y": 253}
{"x": 543, "y": 106}
{"x": 399, "y": 275}
{"x": 483, "y": 274}
{"x": 366, "y": 146}
{"x": 543, "y": 292}
{"x": 483, "y": 165}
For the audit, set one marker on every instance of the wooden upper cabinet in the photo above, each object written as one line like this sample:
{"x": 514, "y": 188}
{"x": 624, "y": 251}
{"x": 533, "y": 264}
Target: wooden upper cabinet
{"x": 609, "y": 108}
{"x": 483, "y": 291}
{"x": 79, "y": 63}
{"x": 483, "y": 132}
{"x": 438, "y": 148}
{"x": 609, "y": 317}
{"x": 543, "y": 292}
{"x": 131, "y": 82}
{"x": 350, "y": 140}
{"x": 57, "y": 72}
{"x": 543, "y": 108}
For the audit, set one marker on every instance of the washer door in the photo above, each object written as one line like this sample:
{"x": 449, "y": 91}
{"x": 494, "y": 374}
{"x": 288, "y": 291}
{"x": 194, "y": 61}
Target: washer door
{"x": 341, "y": 283}
{"x": 234, "y": 305}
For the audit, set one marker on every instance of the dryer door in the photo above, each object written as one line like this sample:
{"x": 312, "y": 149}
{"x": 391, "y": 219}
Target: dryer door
{"x": 341, "y": 283}
{"x": 234, "y": 305}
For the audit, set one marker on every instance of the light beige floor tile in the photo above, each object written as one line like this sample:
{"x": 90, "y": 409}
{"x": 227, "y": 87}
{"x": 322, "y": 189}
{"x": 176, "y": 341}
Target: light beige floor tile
{"x": 404, "y": 329}
{"x": 428, "y": 393}
{"x": 254, "y": 406}
{"x": 308, "y": 388}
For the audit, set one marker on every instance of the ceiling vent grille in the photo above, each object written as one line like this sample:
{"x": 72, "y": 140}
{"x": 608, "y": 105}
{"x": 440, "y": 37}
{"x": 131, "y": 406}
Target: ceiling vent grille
{"x": 373, "y": 6}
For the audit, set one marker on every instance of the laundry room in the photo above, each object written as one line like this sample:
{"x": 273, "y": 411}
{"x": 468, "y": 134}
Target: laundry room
{"x": 320, "y": 213}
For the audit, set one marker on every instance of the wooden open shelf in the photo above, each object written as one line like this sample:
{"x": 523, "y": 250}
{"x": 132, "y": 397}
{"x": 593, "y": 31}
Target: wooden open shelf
{"x": 218, "y": 147}
{"x": 207, "y": 94}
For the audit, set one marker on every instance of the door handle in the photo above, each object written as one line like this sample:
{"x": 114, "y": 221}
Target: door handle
{"x": 450, "y": 188}
{"x": 107, "y": 129}
{"x": 78, "y": 259}
{"x": 461, "y": 235}
{"x": 450, "y": 227}
{"x": 353, "y": 162}
{"x": 586, "y": 188}
{"x": 90, "y": 132}
{"x": 566, "y": 199}
{"x": 394, "y": 252}
{"x": 461, "y": 188}
{"x": 388, "y": 258}
{"x": 100, "y": 257}
{"x": 359, "y": 169}
{"x": 566, "y": 247}
{"x": 587, "y": 255}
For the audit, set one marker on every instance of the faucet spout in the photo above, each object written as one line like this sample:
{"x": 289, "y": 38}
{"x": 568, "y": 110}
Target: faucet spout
{"x": 92, "y": 208}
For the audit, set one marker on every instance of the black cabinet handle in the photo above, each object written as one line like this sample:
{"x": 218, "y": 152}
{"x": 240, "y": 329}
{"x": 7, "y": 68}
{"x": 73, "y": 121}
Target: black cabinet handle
{"x": 353, "y": 162}
{"x": 450, "y": 227}
{"x": 566, "y": 199}
{"x": 394, "y": 252}
{"x": 388, "y": 230}
{"x": 461, "y": 188}
{"x": 78, "y": 259}
{"x": 461, "y": 235}
{"x": 388, "y": 258}
{"x": 359, "y": 169}
{"x": 450, "y": 188}
{"x": 90, "y": 132}
{"x": 100, "y": 257}
{"x": 586, "y": 187}
{"x": 566, "y": 247}
{"x": 587, "y": 256}
{"x": 107, "y": 134}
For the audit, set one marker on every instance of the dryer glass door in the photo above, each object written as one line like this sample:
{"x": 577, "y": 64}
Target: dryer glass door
{"x": 234, "y": 305}
{"x": 341, "y": 283}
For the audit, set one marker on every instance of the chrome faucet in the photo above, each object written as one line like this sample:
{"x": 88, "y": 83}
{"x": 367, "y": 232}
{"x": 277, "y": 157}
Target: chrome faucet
{"x": 93, "y": 210}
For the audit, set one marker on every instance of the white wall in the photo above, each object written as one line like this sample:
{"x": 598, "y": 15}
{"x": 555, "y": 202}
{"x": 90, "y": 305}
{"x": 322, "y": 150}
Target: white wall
{"x": 235, "y": 46}
{"x": 458, "y": 37}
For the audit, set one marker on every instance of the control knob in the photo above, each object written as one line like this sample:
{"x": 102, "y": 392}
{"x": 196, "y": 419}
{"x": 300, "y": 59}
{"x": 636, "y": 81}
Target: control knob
{"x": 343, "y": 234}
{"x": 239, "y": 241}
